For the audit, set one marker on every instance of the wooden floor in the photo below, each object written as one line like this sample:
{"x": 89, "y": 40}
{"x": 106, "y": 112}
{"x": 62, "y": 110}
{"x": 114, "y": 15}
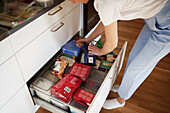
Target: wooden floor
{"x": 153, "y": 96}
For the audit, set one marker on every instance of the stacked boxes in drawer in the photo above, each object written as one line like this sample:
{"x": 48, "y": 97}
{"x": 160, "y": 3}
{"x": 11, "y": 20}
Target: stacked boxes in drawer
{"x": 80, "y": 70}
{"x": 66, "y": 87}
{"x": 83, "y": 97}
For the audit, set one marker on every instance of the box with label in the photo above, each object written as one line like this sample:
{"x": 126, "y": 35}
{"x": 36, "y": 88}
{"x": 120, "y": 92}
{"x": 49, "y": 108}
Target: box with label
{"x": 83, "y": 97}
{"x": 66, "y": 87}
{"x": 72, "y": 48}
{"x": 87, "y": 58}
{"x": 80, "y": 70}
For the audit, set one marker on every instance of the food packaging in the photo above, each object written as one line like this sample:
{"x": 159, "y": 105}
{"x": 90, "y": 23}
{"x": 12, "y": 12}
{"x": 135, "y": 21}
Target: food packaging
{"x": 66, "y": 87}
{"x": 105, "y": 64}
{"x": 69, "y": 60}
{"x": 13, "y": 18}
{"x": 59, "y": 67}
{"x": 92, "y": 84}
{"x": 97, "y": 64}
{"x": 72, "y": 48}
{"x": 98, "y": 75}
{"x": 110, "y": 58}
{"x": 42, "y": 88}
{"x": 48, "y": 75}
{"x": 83, "y": 97}
{"x": 87, "y": 58}
{"x": 80, "y": 70}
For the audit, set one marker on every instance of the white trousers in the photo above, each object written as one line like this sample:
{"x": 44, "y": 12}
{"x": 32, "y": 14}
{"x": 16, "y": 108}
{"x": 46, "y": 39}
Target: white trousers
{"x": 152, "y": 45}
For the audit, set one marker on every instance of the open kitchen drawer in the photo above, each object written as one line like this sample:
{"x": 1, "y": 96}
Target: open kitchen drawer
{"x": 56, "y": 105}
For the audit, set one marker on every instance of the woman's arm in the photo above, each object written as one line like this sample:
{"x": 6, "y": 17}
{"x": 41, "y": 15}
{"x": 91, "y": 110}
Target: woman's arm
{"x": 111, "y": 34}
{"x": 98, "y": 31}
{"x": 83, "y": 1}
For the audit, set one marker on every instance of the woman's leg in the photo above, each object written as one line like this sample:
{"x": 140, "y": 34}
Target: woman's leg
{"x": 142, "y": 65}
{"x": 143, "y": 62}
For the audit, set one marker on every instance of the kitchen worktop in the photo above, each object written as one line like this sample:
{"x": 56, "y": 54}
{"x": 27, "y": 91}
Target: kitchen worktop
{"x": 5, "y": 31}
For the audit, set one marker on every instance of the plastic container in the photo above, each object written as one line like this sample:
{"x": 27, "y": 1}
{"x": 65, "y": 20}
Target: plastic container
{"x": 48, "y": 75}
{"x": 42, "y": 88}
{"x": 92, "y": 84}
{"x": 98, "y": 75}
{"x": 69, "y": 60}
{"x": 55, "y": 101}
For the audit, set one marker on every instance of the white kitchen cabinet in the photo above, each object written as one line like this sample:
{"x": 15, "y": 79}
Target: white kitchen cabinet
{"x": 31, "y": 31}
{"x": 5, "y": 50}
{"x": 20, "y": 103}
{"x": 32, "y": 57}
{"x": 11, "y": 80}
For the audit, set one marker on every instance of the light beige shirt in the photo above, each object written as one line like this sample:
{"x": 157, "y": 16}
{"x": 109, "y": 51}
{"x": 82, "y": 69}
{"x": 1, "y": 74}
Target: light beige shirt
{"x": 112, "y": 10}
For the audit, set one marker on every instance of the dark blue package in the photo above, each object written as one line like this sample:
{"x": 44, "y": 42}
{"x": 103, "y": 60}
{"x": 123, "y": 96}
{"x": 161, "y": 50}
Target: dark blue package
{"x": 72, "y": 48}
{"x": 88, "y": 58}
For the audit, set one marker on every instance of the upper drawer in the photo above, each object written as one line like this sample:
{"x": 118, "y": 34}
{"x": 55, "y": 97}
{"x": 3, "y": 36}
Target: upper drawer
{"x": 25, "y": 35}
{"x": 32, "y": 57}
{"x": 5, "y": 50}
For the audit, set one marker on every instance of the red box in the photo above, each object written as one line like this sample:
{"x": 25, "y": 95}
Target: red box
{"x": 83, "y": 97}
{"x": 66, "y": 87}
{"x": 80, "y": 70}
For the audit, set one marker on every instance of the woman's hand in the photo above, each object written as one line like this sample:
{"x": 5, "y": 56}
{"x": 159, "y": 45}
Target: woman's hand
{"x": 94, "y": 50}
{"x": 75, "y": 1}
{"x": 84, "y": 40}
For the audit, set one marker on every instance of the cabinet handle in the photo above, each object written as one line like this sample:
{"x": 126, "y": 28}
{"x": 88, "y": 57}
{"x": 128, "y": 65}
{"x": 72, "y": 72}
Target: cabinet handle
{"x": 55, "y": 28}
{"x": 54, "y": 12}
{"x": 114, "y": 74}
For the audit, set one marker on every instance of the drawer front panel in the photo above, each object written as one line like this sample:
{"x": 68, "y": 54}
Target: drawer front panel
{"x": 48, "y": 106}
{"x": 104, "y": 89}
{"x": 5, "y": 50}
{"x": 31, "y": 31}
{"x": 11, "y": 80}
{"x": 20, "y": 103}
{"x": 37, "y": 53}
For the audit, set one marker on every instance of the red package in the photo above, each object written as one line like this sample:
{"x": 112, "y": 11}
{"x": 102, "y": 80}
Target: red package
{"x": 80, "y": 70}
{"x": 83, "y": 97}
{"x": 65, "y": 88}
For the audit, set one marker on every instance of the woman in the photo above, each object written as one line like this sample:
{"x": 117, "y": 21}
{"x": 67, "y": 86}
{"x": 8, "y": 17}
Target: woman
{"x": 152, "y": 45}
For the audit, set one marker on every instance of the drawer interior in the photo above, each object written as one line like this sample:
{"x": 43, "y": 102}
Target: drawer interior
{"x": 40, "y": 97}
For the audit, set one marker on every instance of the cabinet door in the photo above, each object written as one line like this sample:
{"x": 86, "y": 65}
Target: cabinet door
{"x": 32, "y": 30}
{"x": 5, "y": 50}
{"x": 11, "y": 80}
{"x": 20, "y": 103}
{"x": 104, "y": 89}
{"x": 37, "y": 53}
